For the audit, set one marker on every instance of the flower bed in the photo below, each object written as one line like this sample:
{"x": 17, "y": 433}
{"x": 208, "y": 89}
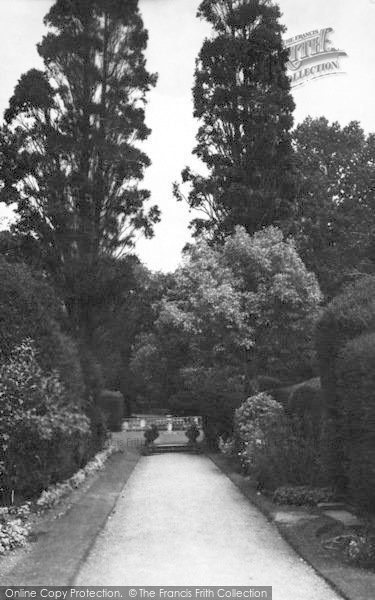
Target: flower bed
{"x": 14, "y": 528}
{"x": 14, "y": 521}
{"x": 52, "y": 496}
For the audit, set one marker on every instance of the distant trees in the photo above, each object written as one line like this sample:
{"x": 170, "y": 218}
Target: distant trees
{"x": 243, "y": 102}
{"x": 316, "y": 183}
{"x": 126, "y": 313}
{"x": 334, "y": 212}
{"x": 70, "y": 154}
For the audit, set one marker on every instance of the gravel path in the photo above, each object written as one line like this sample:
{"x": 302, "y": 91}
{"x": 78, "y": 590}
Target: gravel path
{"x": 180, "y": 521}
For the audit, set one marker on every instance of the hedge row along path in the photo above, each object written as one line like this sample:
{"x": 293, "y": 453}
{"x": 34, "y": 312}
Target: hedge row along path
{"x": 180, "y": 521}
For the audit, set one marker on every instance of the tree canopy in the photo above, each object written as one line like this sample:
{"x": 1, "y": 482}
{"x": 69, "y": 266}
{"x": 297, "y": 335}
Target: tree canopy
{"x": 70, "y": 153}
{"x": 243, "y": 103}
{"x": 230, "y": 314}
{"x": 334, "y": 214}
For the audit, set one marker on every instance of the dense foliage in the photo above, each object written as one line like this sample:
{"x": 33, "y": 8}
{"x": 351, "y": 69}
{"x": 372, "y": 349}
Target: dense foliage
{"x": 334, "y": 217}
{"x": 274, "y": 447}
{"x": 306, "y": 405}
{"x": 355, "y": 371}
{"x": 112, "y": 406}
{"x": 29, "y": 308}
{"x": 70, "y": 151}
{"x": 151, "y": 434}
{"x": 71, "y": 161}
{"x": 201, "y": 330}
{"x": 348, "y": 316}
{"x": 125, "y": 314}
{"x": 243, "y": 102}
{"x": 282, "y": 212}
{"x": 43, "y": 436}
{"x": 283, "y": 301}
{"x": 192, "y": 432}
{"x": 229, "y": 315}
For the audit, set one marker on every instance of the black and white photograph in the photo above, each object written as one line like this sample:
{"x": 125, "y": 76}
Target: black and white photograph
{"x": 187, "y": 300}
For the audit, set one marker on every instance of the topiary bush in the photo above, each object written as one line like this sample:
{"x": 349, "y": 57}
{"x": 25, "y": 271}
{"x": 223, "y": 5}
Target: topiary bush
{"x": 306, "y": 406}
{"x": 348, "y": 316}
{"x": 151, "y": 434}
{"x": 355, "y": 373}
{"x": 192, "y": 432}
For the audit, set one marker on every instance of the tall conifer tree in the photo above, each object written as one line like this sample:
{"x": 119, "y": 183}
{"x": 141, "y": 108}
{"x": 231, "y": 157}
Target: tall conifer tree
{"x": 243, "y": 102}
{"x": 71, "y": 155}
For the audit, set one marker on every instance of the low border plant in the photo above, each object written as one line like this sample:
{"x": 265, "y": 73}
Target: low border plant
{"x": 54, "y": 494}
{"x": 14, "y": 520}
{"x": 303, "y": 495}
{"x": 14, "y": 527}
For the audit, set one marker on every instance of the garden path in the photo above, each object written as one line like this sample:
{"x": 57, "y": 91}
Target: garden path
{"x": 180, "y": 521}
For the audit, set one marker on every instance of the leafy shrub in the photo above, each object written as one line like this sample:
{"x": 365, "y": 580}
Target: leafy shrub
{"x": 112, "y": 406}
{"x": 98, "y": 428}
{"x": 92, "y": 374}
{"x": 252, "y": 416}
{"x": 63, "y": 357}
{"x": 192, "y": 432}
{"x": 355, "y": 372}
{"x": 360, "y": 550}
{"x": 14, "y": 527}
{"x": 348, "y": 316}
{"x": 151, "y": 434}
{"x": 272, "y": 447}
{"x": 216, "y": 393}
{"x": 302, "y": 495}
{"x": 283, "y": 299}
{"x": 13, "y": 534}
{"x": 43, "y": 436}
{"x": 254, "y": 421}
{"x": 227, "y": 446}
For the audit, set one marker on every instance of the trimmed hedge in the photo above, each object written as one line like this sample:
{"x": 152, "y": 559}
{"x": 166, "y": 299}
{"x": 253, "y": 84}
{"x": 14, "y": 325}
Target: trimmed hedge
{"x": 112, "y": 405}
{"x": 306, "y": 403}
{"x": 348, "y": 316}
{"x": 355, "y": 374}
{"x": 266, "y": 383}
